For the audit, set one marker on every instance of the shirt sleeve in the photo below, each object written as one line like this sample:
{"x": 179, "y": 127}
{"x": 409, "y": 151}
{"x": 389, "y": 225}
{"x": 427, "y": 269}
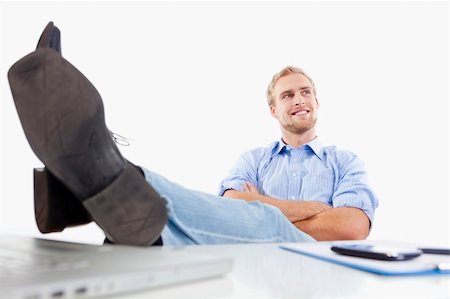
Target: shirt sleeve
{"x": 244, "y": 170}
{"x": 353, "y": 189}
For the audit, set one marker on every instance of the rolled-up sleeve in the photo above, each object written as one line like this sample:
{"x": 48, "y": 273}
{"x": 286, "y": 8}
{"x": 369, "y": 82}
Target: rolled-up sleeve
{"x": 353, "y": 189}
{"x": 244, "y": 170}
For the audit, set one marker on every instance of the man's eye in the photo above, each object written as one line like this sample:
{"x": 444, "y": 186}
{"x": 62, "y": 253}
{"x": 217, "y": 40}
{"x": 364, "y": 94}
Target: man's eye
{"x": 306, "y": 92}
{"x": 287, "y": 96}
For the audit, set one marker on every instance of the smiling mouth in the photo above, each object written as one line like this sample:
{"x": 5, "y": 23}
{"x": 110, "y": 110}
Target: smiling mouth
{"x": 301, "y": 112}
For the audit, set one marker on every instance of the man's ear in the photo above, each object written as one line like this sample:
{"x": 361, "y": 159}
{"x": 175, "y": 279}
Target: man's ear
{"x": 273, "y": 110}
{"x": 317, "y": 101}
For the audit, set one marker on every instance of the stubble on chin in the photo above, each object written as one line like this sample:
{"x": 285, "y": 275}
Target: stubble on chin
{"x": 301, "y": 128}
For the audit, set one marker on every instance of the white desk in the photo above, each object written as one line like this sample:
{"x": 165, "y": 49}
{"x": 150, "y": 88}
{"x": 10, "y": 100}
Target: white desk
{"x": 265, "y": 271}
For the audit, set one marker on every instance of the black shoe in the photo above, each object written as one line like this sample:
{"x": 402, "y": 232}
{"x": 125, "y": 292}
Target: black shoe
{"x": 63, "y": 119}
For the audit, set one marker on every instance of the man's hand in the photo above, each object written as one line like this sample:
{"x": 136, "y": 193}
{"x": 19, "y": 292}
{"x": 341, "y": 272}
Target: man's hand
{"x": 248, "y": 187}
{"x": 301, "y": 210}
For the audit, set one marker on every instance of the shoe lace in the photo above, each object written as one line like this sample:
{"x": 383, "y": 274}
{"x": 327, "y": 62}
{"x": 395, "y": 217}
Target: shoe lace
{"x": 119, "y": 139}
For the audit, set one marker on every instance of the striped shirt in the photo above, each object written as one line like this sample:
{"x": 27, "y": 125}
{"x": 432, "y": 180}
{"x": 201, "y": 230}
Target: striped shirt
{"x": 309, "y": 172}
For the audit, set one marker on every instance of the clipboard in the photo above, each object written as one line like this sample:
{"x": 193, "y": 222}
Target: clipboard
{"x": 426, "y": 264}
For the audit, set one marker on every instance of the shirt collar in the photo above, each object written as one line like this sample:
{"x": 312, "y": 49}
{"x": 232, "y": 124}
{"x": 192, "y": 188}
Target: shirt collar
{"x": 315, "y": 145}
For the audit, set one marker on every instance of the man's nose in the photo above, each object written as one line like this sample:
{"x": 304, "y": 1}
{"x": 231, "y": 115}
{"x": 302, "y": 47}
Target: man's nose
{"x": 298, "y": 98}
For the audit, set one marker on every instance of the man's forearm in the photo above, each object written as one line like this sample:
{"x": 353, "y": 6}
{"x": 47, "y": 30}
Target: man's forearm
{"x": 294, "y": 210}
{"x": 343, "y": 223}
{"x": 256, "y": 196}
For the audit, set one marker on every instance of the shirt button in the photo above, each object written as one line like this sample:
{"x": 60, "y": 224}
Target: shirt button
{"x": 292, "y": 197}
{"x": 294, "y": 174}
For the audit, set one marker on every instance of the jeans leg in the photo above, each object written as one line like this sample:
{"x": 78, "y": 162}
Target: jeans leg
{"x": 200, "y": 218}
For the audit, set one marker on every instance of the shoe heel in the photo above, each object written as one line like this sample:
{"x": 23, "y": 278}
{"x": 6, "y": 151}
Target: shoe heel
{"x": 55, "y": 207}
{"x": 129, "y": 210}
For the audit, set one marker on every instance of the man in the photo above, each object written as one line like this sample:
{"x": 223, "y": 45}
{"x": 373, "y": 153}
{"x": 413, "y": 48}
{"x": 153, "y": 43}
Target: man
{"x": 62, "y": 116}
{"x": 323, "y": 191}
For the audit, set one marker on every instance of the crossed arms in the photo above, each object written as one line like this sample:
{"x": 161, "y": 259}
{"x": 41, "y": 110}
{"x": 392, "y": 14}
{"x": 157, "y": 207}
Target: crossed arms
{"x": 315, "y": 218}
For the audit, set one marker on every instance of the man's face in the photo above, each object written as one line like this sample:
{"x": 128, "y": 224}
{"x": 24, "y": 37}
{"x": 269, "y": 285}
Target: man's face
{"x": 295, "y": 104}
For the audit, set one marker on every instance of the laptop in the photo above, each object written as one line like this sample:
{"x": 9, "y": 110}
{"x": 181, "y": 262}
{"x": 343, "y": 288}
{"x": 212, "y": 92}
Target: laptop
{"x": 32, "y": 268}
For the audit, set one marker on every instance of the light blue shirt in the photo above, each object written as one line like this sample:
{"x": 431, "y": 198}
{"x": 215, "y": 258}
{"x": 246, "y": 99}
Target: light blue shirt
{"x": 310, "y": 172}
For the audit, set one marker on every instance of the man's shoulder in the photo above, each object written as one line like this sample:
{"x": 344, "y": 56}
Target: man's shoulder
{"x": 338, "y": 152}
{"x": 333, "y": 149}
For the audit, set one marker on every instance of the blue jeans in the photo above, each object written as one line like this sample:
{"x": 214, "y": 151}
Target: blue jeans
{"x": 200, "y": 218}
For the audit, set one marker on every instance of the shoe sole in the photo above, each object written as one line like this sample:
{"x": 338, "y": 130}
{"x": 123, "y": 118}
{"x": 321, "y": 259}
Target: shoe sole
{"x": 62, "y": 115}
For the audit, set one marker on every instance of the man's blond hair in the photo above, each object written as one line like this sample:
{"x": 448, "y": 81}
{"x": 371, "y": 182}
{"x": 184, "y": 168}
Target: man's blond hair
{"x": 284, "y": 72}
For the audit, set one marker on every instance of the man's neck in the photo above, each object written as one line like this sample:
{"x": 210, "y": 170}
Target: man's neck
{"x": 296, "y": 140}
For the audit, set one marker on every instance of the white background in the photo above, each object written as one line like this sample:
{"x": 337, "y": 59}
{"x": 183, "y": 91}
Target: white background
{"x": 186, "y": 83}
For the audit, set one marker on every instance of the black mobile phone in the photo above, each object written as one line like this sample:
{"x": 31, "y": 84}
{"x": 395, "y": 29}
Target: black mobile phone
{"x": 377, "y": 252}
